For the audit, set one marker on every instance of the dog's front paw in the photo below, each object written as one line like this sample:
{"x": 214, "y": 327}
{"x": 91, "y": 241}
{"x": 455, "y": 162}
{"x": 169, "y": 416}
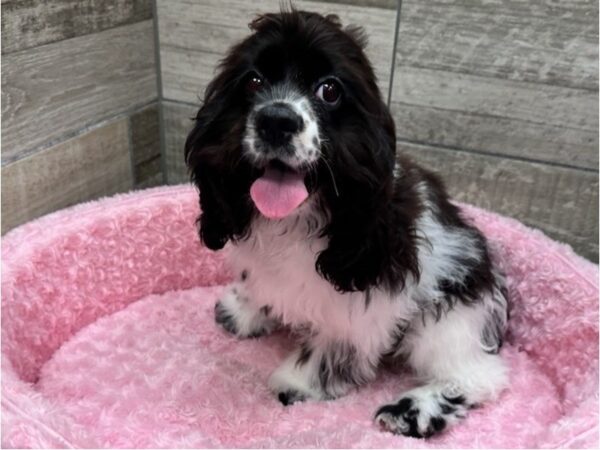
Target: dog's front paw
{"x": 224, "y": 318}
{"x": 290, "y": 390}
{"x": 294, "y": 382}
{"x": 290, "y": 397}
{"x": 421, "y": 413}
{"x": 236, "y": 314}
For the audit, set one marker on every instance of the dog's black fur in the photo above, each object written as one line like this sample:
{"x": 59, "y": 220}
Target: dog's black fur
{"x": 371, "y": 231}
{"x": 371, "y": 198}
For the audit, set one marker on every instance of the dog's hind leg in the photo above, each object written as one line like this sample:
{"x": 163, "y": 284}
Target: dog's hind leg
{"x": 458, "y": 363}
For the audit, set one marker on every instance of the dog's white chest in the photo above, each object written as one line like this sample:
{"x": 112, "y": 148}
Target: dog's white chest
{"x": 279, "y": 263}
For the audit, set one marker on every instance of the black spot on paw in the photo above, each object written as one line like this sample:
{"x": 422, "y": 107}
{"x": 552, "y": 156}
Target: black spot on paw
{"x": 413, "y": 427}
{"x": 284, "y": 398}
{"x": 406, "y": 412}
{"x": 396, "y": 409}
{"x": 436, "y": 424}
{"x": 223, "y": 318}
{"x": 244, "y": 275}
{"x": 290, "y": 397}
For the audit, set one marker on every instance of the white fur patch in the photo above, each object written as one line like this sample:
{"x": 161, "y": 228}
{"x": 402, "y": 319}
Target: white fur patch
{"x": 248, "y": 320}
{"x": 306, "y": 143}
{"x": 301, "y": 378}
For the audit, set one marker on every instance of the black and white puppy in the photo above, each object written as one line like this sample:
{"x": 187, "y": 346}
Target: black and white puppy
{"x": 358, "y": 251}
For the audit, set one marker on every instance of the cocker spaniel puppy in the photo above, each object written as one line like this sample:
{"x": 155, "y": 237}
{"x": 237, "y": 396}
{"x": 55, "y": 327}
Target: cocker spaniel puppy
{"x": 330, "y": 233}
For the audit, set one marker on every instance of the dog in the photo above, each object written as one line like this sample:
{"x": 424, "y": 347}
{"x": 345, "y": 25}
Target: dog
{"x": 331, "y": 234}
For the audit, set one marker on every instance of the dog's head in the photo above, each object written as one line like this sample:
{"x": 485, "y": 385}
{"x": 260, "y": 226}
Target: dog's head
{"x": 295, "y": 112}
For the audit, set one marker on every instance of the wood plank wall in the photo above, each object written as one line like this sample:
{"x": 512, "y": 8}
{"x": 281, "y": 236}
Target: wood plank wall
{"x": 79, "y": 103}
{"x": 501, "y": 98}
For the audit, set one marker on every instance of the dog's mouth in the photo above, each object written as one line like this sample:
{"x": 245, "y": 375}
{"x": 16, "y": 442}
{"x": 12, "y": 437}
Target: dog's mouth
{"x": 279, "y": 191}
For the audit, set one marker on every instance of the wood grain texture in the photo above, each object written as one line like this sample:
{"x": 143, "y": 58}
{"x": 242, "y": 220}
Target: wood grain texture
{"x": 145, "y": 147}
{"x": 541, "y": 41}
{"x": 80, "y": 169}
{"x": 562, "y": 202}
{"x": 194, "y": 36}
{"x": 51, "y": 91}
{"x": 496, "y": 135}
{"x": 148, "y": 173}
{"x": 177, "y": 124}
{"x": 533, "y": 102}
{"x": 529, "y": 120}
{"x": 145, "y": 134}
{"x": 30, "y": 23}
{"x": 512, "y": 83}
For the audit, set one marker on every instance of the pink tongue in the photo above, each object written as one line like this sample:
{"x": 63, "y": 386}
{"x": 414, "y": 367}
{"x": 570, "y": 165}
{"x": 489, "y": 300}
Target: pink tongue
{"x": 276, "y": 194}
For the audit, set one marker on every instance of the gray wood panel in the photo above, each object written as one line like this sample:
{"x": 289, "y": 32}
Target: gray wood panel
{"x": 548, "y": 42}
{"x": 490, "y": 89}
{"x": 83, "y": 168}
{"x": 145, "y": 147}
{"x": 562, "y": 202}
{"x": 185, "y": 74}
{"x": 29, "y": 23}
{"x": 496, "y": 135}
{"x": 51, "y": 91}
{"x": 194, "y": 36}
{"x": 177, "y": 124}
{"x": 148, "y": 174}
{"x": 145, "y": 134}
{"x": 531, "y": 102}
{"x": 535, "y": 121}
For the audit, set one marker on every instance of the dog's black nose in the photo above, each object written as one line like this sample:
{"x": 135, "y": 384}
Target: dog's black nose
{"x": 277, "y": 123}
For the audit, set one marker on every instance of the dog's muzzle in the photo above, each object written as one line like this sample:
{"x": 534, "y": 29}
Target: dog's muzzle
{"x": 276, "y": 124}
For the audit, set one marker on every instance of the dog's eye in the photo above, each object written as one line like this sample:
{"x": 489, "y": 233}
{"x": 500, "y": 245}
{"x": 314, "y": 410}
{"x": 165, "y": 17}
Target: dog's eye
{"x": 329, "y": 91}
{"x": 255, "y": 83}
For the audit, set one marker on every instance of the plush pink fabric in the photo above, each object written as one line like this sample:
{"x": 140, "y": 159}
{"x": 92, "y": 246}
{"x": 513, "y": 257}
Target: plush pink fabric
{"x": 108, "y": 340}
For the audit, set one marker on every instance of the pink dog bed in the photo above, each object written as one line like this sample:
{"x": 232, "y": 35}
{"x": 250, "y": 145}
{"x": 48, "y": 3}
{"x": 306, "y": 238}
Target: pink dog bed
{"x": 108, "y": 340}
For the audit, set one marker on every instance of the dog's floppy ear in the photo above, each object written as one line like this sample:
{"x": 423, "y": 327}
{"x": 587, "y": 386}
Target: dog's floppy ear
{"x": 212, "y": 153}
{"x": 371, "y": 233}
